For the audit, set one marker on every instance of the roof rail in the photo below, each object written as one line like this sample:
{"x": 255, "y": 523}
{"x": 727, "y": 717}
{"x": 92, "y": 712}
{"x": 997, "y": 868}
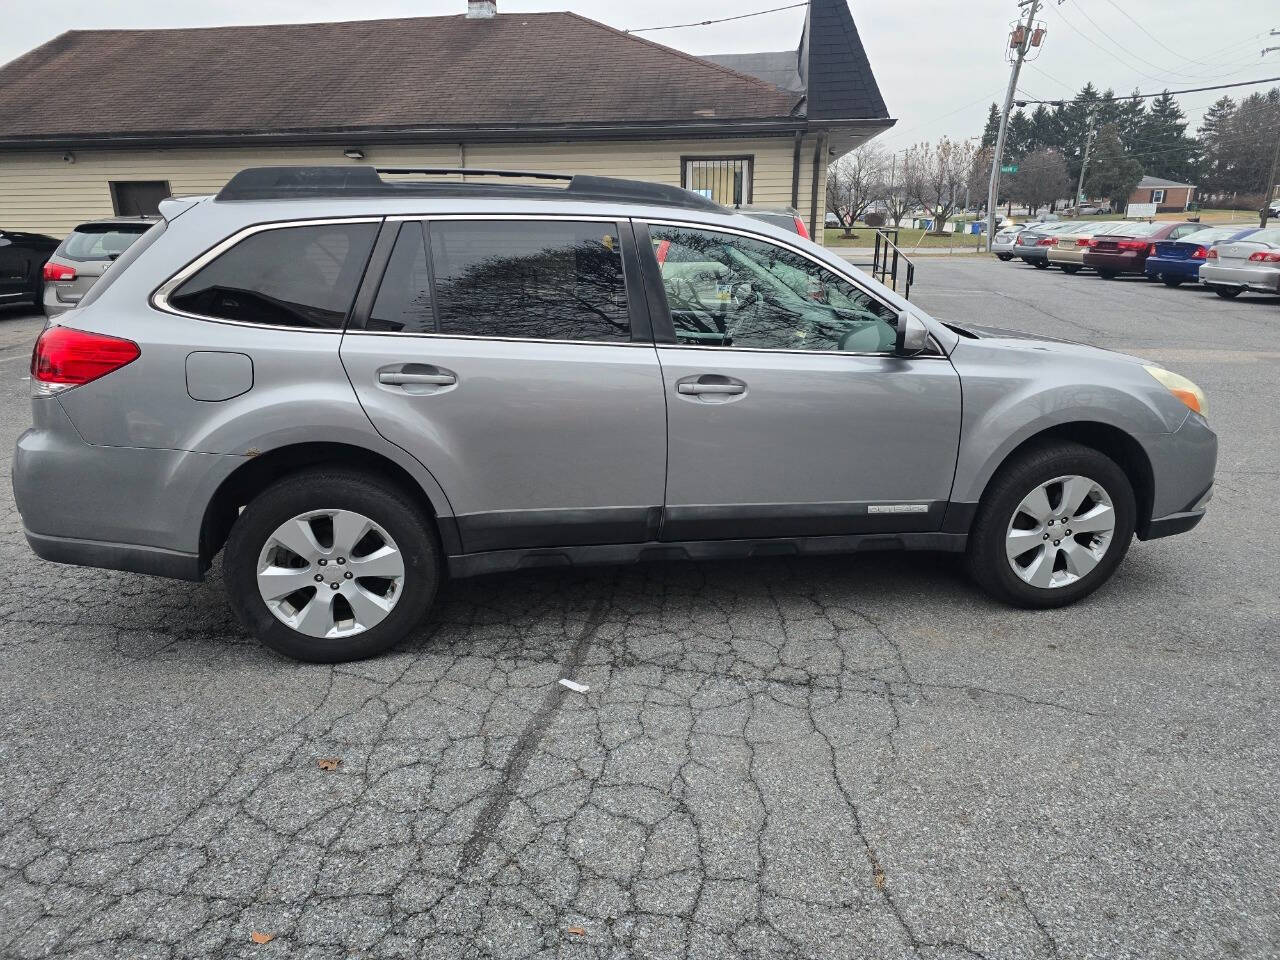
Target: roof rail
{"x": 298, "y": 183}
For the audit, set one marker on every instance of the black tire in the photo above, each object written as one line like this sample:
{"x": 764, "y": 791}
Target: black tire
{"x": 323, "y": 488}
{"x": 1040, "y": 264}
{"x": 986, "y": 560}
{"x": 1006, "y": 257}
{"x": 1228, "y": 293}
{"x": 1070, "y": 268}
{"x": 1108, "y": 274}
{"x": 1172, "y": 281}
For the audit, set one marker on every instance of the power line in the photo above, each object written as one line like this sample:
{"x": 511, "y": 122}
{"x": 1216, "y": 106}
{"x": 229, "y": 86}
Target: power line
{"x": 1125, "y": 13}
{"x": 1172, "y": 93}
{"x": 1119, "y": 46}
{"x": 707, "y": 23}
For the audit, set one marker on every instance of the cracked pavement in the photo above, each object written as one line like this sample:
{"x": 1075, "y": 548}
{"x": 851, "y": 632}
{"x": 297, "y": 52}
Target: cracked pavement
{"x": 854, "y": 757}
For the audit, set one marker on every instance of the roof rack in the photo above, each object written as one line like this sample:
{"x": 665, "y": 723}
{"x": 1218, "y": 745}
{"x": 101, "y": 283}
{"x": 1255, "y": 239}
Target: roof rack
{"x": 299, "y": 183}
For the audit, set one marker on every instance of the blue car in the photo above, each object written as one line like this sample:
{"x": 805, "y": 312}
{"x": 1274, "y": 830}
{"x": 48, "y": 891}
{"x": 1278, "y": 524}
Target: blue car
{"x": 1178, "y": 261}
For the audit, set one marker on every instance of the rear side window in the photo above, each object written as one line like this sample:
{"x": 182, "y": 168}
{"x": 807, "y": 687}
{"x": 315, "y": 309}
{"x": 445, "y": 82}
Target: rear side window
{"x": 101, "y": 241}
{"x": 528, "y": 279}
{"x": 304, "y": 276}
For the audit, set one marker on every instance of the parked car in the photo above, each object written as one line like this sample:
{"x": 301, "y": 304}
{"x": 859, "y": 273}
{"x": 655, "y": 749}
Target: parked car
{"x": 1032, "y": 243}
{"x": 1272, "y": 209}
{"x": 22, "y": 257}
{"x": 1247, "y": 263}
{"x": 788, "y": 218}
{"x": 1002, "y": 244}
{"x": 1179, "y": 261}
{"x": 1126, "y": 250}
{"x": 1068, "y": 251}
{"x": 83, "y": 256}
{"x": 354, "y": 389}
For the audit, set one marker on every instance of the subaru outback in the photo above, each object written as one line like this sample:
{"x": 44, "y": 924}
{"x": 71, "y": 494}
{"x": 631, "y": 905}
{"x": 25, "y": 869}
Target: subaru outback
{"x": 354, "y": 386}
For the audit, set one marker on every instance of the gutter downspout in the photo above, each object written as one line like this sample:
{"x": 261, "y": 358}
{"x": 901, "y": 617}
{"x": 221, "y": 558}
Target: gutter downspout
{"x": 795, "y": 172}
{"x": 813, "y": 201}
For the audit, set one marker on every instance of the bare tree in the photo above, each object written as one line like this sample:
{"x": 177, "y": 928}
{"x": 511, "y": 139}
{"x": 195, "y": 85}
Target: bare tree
{"x": 852, "y": 183}
{"x": 891, "y": 193}
{"x": 936, "y": 176}
{"x": 980, "y": 175}
{"x": 1041, "y": 179}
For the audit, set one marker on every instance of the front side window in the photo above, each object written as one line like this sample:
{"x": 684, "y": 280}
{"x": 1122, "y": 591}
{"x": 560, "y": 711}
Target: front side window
{"x": 725, "y": 290}
{"x": 303, "y": 276}
{"x": 529, "y": 279}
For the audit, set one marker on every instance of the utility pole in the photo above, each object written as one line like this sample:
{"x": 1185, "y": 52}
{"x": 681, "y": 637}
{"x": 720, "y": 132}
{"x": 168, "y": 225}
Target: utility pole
{"x": 1024, "y": 37}
{"x": 1269, "y": 193}
{"x": 1084, "y": 164}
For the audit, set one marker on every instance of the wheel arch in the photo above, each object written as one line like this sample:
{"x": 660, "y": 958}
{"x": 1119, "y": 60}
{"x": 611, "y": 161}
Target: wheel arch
{"x": 259, "y": 472}
{"x": 1107, "y": 439}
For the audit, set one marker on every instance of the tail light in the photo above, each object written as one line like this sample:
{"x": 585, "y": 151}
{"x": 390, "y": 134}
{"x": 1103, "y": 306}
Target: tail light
{"x": 1263, "y": 256}
{"x": 58, "y": 271}
{"x": 1151, "y": 250}
{"x": 1084, "y": 242}
{"x": 1211, "y": 255}
{"x": 1200, "y": 253}
{"x": 1046, "y": 242}
{"x": 801, "y": 228}
{"x": 1131, "y": 245}
{"x": 65, "y": 358}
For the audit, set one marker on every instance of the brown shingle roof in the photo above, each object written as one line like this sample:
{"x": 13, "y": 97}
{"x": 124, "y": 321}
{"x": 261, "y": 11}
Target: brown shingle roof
{"x": 425, "y": 72}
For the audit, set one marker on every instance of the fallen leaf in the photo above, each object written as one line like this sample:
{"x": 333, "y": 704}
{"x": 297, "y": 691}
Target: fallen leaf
{"x": 257, "y": 937}
{"x": 576, "y": 931}
{"x": 879, "y": 879}
{"x": 329, "y": 763}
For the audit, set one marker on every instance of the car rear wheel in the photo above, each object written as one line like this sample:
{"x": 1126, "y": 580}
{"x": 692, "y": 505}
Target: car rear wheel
{"x": 1108, "y": 274}
{"x": 1040, "y": 264}
{"x": 1228, "y": 293}
{"x": 1172, "y": 281}
{"x": 1006, "y": 257}
{"x": 331, "y": 565}
{"x": 1070, "y": 268}
{"x": 1053, "y": 526}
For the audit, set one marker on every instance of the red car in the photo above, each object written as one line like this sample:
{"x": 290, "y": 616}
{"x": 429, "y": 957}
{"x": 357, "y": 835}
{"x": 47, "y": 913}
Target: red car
{"x": 1126, "y": 251}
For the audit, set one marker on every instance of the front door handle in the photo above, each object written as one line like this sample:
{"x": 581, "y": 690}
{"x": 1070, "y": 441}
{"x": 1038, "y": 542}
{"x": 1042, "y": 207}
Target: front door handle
{"x": 426, "y": 379}
{"x": 698, "y": 389}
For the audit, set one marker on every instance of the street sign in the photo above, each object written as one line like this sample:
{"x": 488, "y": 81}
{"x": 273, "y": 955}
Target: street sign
{"x": 1009, "y": 168}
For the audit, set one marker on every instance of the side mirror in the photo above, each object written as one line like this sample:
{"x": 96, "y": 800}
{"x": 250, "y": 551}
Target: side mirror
{"x": 913, "y": 335}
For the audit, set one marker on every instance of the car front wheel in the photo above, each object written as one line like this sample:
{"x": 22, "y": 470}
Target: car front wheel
{"x": 1228, "y": 293}
{"x": 330, "y": 565}
{"x": 1053, "y": 526}
{"x": 1006, "y": 257}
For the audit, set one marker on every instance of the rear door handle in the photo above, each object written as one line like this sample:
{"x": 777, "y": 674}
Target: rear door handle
{"x": 697, "y": 389}
{"x": 427, "y": 379}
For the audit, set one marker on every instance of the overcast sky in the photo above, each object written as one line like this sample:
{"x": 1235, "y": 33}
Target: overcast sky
{"x": 939, "y": 63}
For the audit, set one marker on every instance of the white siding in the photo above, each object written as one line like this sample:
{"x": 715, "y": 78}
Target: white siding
{"x": 42, "y": 192}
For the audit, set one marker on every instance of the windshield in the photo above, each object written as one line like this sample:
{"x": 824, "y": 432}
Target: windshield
{"x": 1211, "y": 235}
{"x": 101, "y": 241}
{"x": 1138, "y": 229}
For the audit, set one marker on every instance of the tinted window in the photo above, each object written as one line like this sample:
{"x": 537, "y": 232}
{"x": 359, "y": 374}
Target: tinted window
{"x": 404, "y": 296}
{"x": 730, "y": 291}
{"x": 289, "y": 277}
{"x": 544, "y": 280}
{"x": 101, "y": 241}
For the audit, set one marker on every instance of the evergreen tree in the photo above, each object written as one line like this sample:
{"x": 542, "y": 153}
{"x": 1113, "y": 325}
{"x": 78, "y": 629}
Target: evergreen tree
{"x": 1043, "y": 130}
{"x": 1074, "y": 121}
{"x": 1112, "y": 172}
{"x": 1215, "y": 135}
{"x": 1017, "y": 141}
{"x": 992, "y": 129}
{"x": 1130, "y": 117}
{"x": 1165, "y": 149}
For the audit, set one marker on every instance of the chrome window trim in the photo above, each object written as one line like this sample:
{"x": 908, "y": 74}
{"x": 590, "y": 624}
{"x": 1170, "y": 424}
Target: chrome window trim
{"x": 159, "y": 298}
{"x": 752, "y": 235}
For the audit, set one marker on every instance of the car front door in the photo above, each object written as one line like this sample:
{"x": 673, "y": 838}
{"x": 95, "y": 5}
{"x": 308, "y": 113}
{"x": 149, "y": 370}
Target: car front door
{"x": 512, "y": 357}
{"x": 787, "y": 412}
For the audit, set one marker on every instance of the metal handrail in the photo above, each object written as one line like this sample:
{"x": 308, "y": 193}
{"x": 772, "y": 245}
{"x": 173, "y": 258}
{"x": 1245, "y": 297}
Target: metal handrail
{"x": 885, "y": 269}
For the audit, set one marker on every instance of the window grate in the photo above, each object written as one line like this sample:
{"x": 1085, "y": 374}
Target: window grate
{"x": 726, "y": 180}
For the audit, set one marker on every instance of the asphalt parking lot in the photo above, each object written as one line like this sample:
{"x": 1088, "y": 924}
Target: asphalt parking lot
{"x": 851, "y": 757}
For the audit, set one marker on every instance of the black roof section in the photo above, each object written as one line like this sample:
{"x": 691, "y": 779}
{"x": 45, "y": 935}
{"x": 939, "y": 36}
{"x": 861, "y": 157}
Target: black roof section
{"x": 839, "y": 80}
{"x": 299, "y": 183}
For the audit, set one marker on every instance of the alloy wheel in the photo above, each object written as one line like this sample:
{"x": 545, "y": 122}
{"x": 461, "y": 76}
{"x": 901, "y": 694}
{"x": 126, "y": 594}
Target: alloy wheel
{"x": 1060, "y": 531}
{"x": 330, "y": 573}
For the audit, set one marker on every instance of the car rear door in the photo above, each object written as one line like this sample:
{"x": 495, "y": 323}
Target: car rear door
{"x": 512, "y": 357}
{"x": 787, "y": 412}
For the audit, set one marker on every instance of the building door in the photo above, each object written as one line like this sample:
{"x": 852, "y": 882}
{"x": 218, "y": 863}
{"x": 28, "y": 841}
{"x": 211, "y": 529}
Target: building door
{"x": 787, "y": 412}
{"x": 138, "y": 198}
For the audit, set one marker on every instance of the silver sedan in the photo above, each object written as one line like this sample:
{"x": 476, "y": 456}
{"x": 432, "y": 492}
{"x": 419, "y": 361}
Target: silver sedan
{"x": 1249, "y": 264}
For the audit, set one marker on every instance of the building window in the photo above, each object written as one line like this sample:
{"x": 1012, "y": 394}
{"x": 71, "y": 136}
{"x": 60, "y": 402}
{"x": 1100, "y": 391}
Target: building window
{"x": 138, "y": 198}
{"x": 1157, "y": 196}
{"x": 726, "y": 180}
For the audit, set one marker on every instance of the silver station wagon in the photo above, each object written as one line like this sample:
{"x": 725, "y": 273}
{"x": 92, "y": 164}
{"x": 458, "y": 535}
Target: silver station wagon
{"x": 356, "y": 383}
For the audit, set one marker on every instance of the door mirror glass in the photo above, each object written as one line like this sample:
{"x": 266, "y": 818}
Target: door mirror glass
{"x": 913, "y": 335}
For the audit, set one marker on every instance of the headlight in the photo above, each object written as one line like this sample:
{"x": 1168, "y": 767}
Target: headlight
{"x": 1182, "y": 388}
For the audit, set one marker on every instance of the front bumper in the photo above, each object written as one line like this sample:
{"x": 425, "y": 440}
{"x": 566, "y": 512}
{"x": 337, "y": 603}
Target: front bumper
{"x": 1259, "y": 278}
{"x": 1182, "y": 466}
